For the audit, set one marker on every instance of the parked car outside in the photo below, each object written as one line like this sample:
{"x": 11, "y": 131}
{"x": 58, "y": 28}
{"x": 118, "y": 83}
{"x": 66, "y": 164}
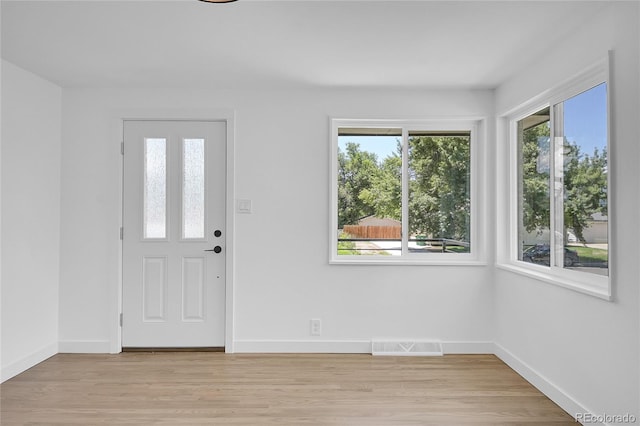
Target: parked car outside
{"x": 541, "y": 254}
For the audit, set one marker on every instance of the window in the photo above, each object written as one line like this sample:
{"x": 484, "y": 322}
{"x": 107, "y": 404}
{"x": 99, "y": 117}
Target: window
{"x": 562, "y": 185}
{"x": 403, "y": 192}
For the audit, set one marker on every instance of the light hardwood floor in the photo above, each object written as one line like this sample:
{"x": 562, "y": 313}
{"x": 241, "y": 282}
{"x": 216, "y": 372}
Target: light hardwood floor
{"x": 284, "y": 389}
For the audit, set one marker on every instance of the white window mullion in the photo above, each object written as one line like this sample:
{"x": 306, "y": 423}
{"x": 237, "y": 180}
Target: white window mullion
{"x": 553, "y": 187}
{"x": 557, "y": 182}
{"x": 474, "y": 229}
{"x": 405, "y": 191}
{"x": 515, "y": 191}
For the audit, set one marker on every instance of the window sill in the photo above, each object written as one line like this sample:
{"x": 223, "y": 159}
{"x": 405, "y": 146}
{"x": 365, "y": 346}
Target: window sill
{"x": 357, "y": 260}
{"x": 594, "y": 286}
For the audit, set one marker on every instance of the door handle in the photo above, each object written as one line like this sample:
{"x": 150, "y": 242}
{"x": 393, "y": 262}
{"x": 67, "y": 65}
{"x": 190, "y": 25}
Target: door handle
{"x": 216, "y": 249}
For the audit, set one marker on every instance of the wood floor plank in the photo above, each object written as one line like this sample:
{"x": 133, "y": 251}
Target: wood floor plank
{"x": 188, "y": 388}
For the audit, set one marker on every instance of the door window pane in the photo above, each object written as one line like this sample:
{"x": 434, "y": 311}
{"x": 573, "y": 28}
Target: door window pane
{"x": 534, "y": 196}
{"x": 369, "y": 191}
{"x": 439, "y": 192}
{"x": 155, "y": 188}
{"x": 193, "y": 189}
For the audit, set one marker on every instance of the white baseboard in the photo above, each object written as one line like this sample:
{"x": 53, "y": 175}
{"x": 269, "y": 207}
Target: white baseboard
{"x": 471, "y": 348}
{"x": 344, "y": 346}
{"x": 28, "y": 361}
{"x": 84, "y": 347}
{"x": 302, "y": 346}
{"x": 544, "y": 385}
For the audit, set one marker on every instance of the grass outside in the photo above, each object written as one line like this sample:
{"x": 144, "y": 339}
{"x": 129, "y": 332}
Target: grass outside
{"x": 458, "y": 249}
{"x": 346, "y": 248}
{"x": 351, "y": 248}
{"x": 591, "y": 254}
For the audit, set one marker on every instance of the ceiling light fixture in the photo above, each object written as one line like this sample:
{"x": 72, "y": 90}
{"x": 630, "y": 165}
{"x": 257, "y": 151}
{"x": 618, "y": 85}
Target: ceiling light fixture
{"x": 217, "y": 1}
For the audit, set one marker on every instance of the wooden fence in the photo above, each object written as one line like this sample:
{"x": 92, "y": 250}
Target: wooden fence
{"x": 374, "y": 232}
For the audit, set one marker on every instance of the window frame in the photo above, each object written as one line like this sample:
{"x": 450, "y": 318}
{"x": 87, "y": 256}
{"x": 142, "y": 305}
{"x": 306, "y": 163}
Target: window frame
{"x": 476, "y": 256}
{"x": 580, "y": 281}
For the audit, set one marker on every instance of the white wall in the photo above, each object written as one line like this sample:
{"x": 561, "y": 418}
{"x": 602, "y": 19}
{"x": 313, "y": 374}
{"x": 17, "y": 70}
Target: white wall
{"x": 282, "y": 276}
{"x": 582, "y": 350}
{"x": 31, "y": 129}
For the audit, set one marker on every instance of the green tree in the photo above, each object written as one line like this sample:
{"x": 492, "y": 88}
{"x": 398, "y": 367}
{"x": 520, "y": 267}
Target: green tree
{"x": 584, "y": 177}
{"x": 385, "y": 193}
{"x": 585, "y": 188}
{"x": 439, "y": 192}
{"x": 439, "y": 200}
{"x": 357, "y": 170}
{"x": 535, "y": 200}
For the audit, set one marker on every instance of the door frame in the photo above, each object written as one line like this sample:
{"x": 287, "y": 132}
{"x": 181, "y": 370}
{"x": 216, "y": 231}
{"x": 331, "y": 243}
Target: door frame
{"x": 227, "y": 116}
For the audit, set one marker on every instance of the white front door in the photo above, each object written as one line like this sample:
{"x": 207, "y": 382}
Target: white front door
{"x": 173, "y": 234}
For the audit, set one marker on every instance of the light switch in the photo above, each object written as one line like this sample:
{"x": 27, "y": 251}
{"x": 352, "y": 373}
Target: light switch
{"x": 244, "y": 206}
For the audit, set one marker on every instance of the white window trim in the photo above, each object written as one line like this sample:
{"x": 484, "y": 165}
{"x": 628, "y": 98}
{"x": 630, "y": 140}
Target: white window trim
{"x": 582, "y": 282}
{"x": 477, "y": 234}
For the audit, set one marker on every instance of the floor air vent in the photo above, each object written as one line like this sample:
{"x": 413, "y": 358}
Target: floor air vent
{"x": 406, "y": 347}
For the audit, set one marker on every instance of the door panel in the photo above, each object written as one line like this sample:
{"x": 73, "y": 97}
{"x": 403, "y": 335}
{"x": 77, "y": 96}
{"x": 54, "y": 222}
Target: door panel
{"x": 174, "y": 200}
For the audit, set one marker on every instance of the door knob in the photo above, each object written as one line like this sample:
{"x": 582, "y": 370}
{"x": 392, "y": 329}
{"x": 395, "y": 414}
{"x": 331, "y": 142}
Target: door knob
{"x": 216, "y": 249}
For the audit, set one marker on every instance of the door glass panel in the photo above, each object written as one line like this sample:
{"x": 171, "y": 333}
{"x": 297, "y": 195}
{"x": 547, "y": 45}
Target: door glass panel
{"x": 193, "y": 189}
{"x": 155, "y": 188}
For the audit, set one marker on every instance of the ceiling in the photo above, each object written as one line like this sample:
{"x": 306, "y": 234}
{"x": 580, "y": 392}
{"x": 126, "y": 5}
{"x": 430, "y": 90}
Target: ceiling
{"x": 295, "y": 43}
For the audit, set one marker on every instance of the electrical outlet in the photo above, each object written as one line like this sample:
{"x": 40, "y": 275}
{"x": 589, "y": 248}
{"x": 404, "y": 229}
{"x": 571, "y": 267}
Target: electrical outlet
{"x": 316, "y": 327}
